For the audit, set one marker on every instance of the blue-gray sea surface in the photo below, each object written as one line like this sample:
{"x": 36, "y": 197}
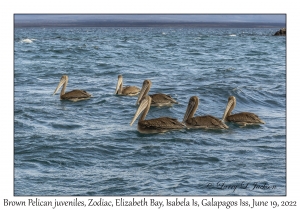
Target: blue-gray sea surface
{"x": 89, "y": 148}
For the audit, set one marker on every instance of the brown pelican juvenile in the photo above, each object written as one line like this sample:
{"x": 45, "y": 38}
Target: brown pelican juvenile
{"x": 158, "y": 99}
{"x": 74, "y": 95}
{"x": 158, "y": 125}
{"x": 207, "y": 122}
{"x": 243, "y": 118}
{"x": 128, "y": 90}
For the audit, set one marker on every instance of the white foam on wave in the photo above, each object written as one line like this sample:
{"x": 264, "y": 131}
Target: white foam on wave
{"x": 27, "y": 40}
{"x": 232, "y": 35}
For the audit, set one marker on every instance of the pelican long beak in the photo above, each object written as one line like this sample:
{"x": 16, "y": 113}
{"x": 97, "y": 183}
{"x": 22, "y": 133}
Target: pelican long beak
{"x": 140, "y": 109}
{"x": 120, "y": 80}
{"x": 188, "y": 111}
{"x": 229, "y": 104}
{"x": 142, "y": 92}
{"x": 61, "y": 82}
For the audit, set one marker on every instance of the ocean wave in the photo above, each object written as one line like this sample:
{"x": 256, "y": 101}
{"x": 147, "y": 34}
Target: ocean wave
{"x": 27, "y": 40}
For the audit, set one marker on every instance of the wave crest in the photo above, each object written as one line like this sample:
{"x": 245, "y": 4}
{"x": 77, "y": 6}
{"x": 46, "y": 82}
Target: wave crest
{"x": 27, "y": 40}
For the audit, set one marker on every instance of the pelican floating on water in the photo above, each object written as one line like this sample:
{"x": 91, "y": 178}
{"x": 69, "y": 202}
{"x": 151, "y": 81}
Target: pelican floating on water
{"x": 158, "y": 125}
{"x": 207, "y": 122}
{"x": 74, "y": 95}
{"x": 128, "y": 90}
{"x": 243, "y": 118}
{"x": 158, "y": 99}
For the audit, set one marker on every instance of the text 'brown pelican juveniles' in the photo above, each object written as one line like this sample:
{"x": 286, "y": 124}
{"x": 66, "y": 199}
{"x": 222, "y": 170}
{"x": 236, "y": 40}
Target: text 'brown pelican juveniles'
{"x": 243, "y": 118}
{"x": 158, "y": 125}
{"x": 74, "y": 95}
{"x": 128, "y": 90}
{"x": 207, "y": 122}
{"x": 158, "y": 99}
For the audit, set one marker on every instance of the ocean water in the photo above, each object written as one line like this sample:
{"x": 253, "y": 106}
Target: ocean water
{"x": 66, "y": 148}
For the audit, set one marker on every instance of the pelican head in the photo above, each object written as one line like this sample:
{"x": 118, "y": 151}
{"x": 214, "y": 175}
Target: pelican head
{"x": 143, "y": 107}
{"x": 145, "y": 89}
{"x": 119, "y": 85}
{"x": 230, "y": 106}
{"x": 191, "y": 108}
{"x": 63, "y": 81}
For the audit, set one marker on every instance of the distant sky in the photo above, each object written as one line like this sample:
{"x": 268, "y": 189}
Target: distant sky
{"x": 260, "y": 18}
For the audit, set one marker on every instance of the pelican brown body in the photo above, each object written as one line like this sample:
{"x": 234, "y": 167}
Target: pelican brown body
{"x": 158, "y": 99}
{"x": 243, "y": 118}
{"x": 157, "y": 125}
{"x": 126, "y": 91}
{"x": 207, "y": 122}
{"x": 74, "y": 95}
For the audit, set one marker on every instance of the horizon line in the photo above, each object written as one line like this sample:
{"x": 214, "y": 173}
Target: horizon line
{"x": 145, "y": 23}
